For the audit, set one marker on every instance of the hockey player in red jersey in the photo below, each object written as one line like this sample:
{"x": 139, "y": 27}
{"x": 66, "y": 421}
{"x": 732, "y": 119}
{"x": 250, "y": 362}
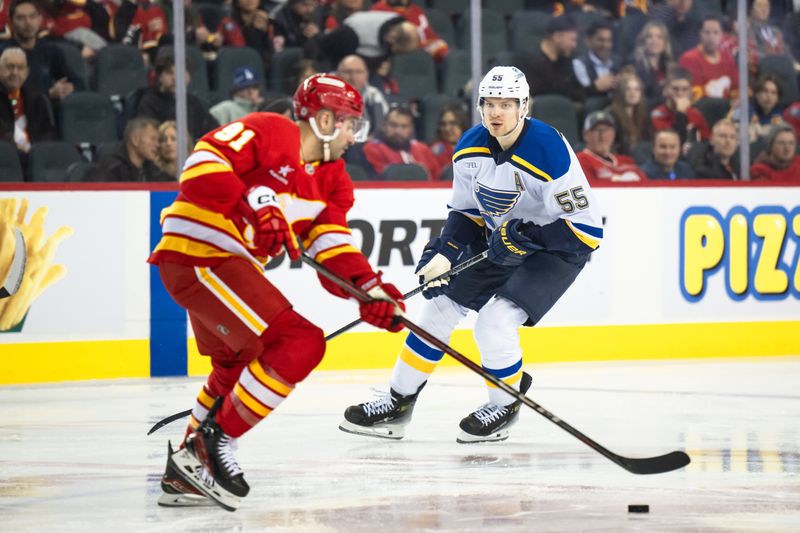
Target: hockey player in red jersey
{"x": 247, "y": 191}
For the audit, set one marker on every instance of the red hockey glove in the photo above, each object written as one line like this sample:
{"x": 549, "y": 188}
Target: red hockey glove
{"x": 271, "y": 229}
{"x": 387, "y": 304}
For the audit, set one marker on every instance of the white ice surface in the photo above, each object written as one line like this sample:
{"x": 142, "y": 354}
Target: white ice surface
{"x": 74, "y": 456}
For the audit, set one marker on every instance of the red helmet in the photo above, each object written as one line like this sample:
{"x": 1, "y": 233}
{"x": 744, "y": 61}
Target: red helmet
{"x": 325, "y": 91}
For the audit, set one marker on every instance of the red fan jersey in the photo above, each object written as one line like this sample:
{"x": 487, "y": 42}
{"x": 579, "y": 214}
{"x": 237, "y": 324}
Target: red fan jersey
{"x": 206, "y": 224}
{"x": 719, "y": 79}
{"x": 664, "y": 118}
{"x": 765, "y": 171}
{"x": 618, "y": 168}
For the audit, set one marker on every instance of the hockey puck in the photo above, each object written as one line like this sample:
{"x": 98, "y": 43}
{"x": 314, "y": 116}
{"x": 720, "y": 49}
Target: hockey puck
{"x": 638, "y": 508}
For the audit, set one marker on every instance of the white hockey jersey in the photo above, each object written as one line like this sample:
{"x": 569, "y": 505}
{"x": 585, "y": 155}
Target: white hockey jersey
{"x": 538, "y": 180}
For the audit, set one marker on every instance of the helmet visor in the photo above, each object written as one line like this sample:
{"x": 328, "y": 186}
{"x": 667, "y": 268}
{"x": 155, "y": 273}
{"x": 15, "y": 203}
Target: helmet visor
{"x": 359, "y": 126}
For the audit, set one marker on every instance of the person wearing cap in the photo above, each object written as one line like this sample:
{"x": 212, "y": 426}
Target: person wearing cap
{"x": 550, "y": 66}
{"x": 599, "y": 163}
{"x": 779, "y": 160}
{"x": 245, "y": 97}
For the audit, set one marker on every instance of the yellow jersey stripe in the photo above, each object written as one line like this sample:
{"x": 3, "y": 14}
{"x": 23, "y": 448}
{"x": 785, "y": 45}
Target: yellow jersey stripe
{"x": 532, "y": 168}
{"x": 471, "y": 150}
{"x": 231, "y": 301}
{"x": 344, "y": 249}
{"x": 415, "y": 362}
{"x": 510, "y": 380}
{"x": 202, "y": 145}
{"x": 191, "y": 211}
{"x": 252, "y": 404}
{"x": 268, "y": 381}
{"x": 325, "y": 228}
{"x": 186, "y": 246}
{"x": 203, "y": 169}
{"x": 585, "y": 239}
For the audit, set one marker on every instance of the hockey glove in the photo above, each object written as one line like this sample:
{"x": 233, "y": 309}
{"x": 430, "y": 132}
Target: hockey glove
{"x": 271, "y": 229}
{"x": 386, "y": 304}
{"x": 509, "y": 246}
{"x": 437, "y": 258}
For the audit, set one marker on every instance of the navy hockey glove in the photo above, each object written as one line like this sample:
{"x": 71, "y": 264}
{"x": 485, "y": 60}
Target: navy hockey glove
{"x": 437, "y": 258}
{"x": 509, "y": 246}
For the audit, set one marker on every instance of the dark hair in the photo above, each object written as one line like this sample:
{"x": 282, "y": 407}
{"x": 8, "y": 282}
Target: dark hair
{"x": 400, "y": 109}
{"x": 458, "y": 112}
{"x": 668, "y": 130}
{"x": 165, "y": 59}
{"x": 764, "y": 79}
{"x": 277, "y": 105}
{"x": 598, "y": 25}
{"x": 712, "y": 16}
{"x": 16, "y": 3}
{"x": 135, "y": 124}
{"x": 677, "y": 73}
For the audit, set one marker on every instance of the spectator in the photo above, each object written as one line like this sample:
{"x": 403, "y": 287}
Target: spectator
{"x": 70, "y": 20}
{"x": 429, "y": 39}
{"x": 550, "y": 65}
{"x": 167, "y": 154}
{"x": 767, "y": 38}
{"x": 245, "y": 97}
{"x": 141, "y": 24}
{"x": 134, "y": 159}
{"x": 335, "y": 14}
{"x": 677, "y": 113}
{"x": 295, "y": 26}
{"x": 713, "y": 71}
{"x": 395, "y": 144}
{"x": 353, "y": 70}
{"x": 629, "y": 110}
{"x": 47, "y": 70}
{"x": 765, "y": 109}
{"x": 249, "y": 25}
{"x": 452, "y": 123}
{"x": 779, "y": 160}
{"x": 595, "y": 69}
{"x": 379, "y": 35}
{"x": 25, "y": 116}
{"x": 598, "y": 161}
{"x": 159, "y": 102}
{"x": 652, "y": 58}
{"x": 682, "y": 20}
{"x": 666, "y": 163}
{"x": 792, "y": 116}
{"x": 714, "y": 160}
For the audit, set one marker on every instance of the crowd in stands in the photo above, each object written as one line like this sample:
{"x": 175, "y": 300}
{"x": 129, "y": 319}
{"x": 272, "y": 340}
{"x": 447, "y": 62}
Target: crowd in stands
{"x": 643, "y": 89}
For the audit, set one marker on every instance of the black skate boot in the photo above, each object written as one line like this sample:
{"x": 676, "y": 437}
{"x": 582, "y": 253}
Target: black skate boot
{"x": 385, "y": 417}
{"x": 220, "y": 477}
{"x": 490, "y": 422}
{"x": 177, "y": 491}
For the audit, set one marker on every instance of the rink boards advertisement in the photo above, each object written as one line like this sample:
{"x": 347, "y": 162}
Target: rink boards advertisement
{"x": 681, "y": 272}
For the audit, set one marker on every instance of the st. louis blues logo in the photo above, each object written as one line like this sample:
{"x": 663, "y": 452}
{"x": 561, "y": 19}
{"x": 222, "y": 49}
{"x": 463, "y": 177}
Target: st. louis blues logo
{"x": 496, "y": 203}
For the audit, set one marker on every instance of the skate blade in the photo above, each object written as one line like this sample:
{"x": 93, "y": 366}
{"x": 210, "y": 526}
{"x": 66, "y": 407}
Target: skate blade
{"x": 392, "y": 432}
{"x": 186, "y": 464}
{"x": 467, "y": 438}
{"x": 185, "y": 500}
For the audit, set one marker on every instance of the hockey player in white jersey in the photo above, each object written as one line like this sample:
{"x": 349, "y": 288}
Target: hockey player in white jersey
{"x": 519, "y": 191}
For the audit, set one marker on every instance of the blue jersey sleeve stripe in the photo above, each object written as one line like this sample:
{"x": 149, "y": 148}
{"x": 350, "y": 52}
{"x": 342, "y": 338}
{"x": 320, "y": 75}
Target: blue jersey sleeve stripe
{"x": 505, "y": 372}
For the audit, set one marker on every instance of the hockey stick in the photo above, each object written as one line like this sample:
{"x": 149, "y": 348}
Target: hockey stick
{"x": 452, "y": 272}
{"x": 16, "y": 270}
{"x": 645, "y": 465}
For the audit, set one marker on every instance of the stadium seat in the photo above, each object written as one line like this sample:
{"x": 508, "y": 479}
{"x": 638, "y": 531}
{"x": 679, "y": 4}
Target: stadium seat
{"x": 783, "y": 68}
{"x": 76, "y": 172}
{"x": 456, "y": 72}
{"x": 74, "y": 61}
{"x": 450, "y": 6}
{"x": 103, "y": 149}
{"x": 713, "y": 109}
{"x": 404, "y": 172}
{"x": 50, "y": 160}
{"x": 595, "y": 103}
{"x": 558, "y": 111}
{"x": 356, "y": 173}
{"x": 282, "y": 70}
{"x": 506, "y": 7}
{"x": 431, "y": 109}
{"x": 87, "y": 117}
{"x": 415, "y": 73}
{"x": 229, "y": 58}
{"x": 120, "y": 69}
{"x": 441, "y": 22}
{"x": 493, "y": 34}
{"x": 527, "y": 29}
{"x": 642, "y": 152}
{"x": 10, "y": 167}
{"x": 447, "y": 173}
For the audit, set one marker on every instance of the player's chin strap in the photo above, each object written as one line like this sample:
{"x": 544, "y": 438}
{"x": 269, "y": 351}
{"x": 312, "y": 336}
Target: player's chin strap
{"x": 326, "y": 139}
{"x": 523, "y": 112}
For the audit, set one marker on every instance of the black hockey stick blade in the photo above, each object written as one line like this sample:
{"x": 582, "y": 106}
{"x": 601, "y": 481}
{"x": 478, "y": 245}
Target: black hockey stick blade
{"x": 170, "y": 419}
{"x": 644, "y": 465}
{"x": 413, "y": 292}
{"x": 16, "y": 271}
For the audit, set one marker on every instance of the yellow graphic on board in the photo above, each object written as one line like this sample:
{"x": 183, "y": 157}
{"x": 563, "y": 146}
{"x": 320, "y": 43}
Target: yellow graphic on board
{"x": 39, "y": 272}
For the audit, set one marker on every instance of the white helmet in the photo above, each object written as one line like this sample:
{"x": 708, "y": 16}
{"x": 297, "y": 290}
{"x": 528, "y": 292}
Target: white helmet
{"x": 505, "y": 82}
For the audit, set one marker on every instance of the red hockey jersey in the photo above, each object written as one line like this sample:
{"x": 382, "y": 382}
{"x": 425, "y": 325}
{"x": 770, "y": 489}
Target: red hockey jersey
{"x": 619, "y": 168}
{"x": 720, "y": 79}
{"x": 205, "y": 224}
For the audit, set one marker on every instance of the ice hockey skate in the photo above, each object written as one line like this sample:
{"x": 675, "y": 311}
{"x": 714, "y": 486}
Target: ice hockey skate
{"x": 208, "y": 464}
{"x": 385, "y": 417}
{"x": 490, "y": 422}
{"x": 178, "y": 492}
